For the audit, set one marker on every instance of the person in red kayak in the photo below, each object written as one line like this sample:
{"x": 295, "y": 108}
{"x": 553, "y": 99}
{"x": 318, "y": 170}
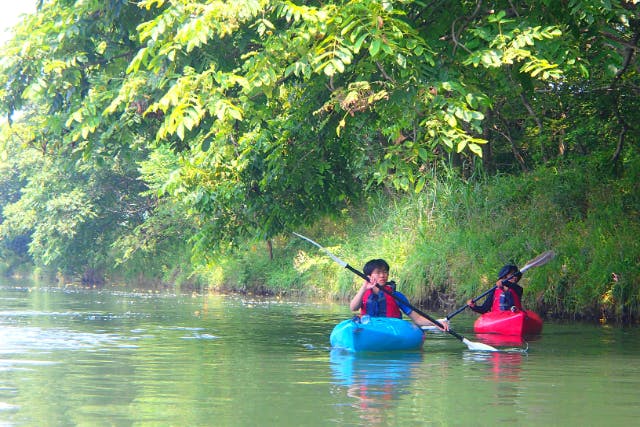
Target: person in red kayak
{"x": 507, "y": 295}
{"x": 373, "y": 301}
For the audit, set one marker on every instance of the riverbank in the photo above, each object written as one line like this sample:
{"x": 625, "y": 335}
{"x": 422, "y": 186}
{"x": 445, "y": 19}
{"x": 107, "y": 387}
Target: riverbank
{"x": 447, "y": 243}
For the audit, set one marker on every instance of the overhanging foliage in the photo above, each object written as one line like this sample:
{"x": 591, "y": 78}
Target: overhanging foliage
{"x": 279, "y": 112}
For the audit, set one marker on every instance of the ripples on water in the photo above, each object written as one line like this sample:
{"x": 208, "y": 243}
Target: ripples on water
{"x": 118, "y": 358}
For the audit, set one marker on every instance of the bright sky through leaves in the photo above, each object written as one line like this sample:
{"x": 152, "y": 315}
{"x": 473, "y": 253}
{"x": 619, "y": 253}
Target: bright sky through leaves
{"x": 10, "y": 11}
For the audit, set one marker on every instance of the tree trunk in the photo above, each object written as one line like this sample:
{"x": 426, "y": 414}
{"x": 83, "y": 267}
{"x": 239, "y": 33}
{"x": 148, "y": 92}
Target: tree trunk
{"x": 270, "y": 249}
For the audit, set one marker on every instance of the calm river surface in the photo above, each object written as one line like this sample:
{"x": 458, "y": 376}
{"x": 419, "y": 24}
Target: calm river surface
{"x": 90, "y": 358}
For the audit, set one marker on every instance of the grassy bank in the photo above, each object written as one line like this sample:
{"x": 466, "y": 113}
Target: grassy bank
{"x": 447, "y": 243}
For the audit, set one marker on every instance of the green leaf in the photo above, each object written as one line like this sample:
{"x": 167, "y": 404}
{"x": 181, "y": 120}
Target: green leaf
{"x": 471, "y": 100}
{"x": 374, "y": 47}
{"x": 338, "y": 65}
{"x": 358, "y": 44}
{"x": 475, "y": 149}
{"x": 329, "y": 69}
{"x": 401, "y": 60}
{"x": 451, "y": 120}
{"x": 461, "y": 146}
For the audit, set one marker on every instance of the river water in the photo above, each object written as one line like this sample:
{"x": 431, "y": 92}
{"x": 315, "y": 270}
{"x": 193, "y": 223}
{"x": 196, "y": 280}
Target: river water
{"x": 98, "y": 358}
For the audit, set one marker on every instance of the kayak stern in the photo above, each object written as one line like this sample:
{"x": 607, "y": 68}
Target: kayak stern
{"x": 377, "y": 334}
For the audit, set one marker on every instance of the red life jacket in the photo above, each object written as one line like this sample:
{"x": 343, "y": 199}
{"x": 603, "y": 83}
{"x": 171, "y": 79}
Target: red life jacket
{"x": 496, "y": 299}
{"x": 392, "y": 309}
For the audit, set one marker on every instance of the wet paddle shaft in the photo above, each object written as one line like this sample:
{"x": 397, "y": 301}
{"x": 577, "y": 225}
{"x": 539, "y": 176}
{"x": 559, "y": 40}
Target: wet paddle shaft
{"x": 470, "y": 344}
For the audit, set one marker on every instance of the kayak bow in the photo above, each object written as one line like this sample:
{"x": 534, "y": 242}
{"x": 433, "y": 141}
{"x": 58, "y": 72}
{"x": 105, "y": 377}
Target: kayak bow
{"x": 521, "y": 323}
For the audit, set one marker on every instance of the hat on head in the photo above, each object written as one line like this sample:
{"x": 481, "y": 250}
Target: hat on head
{"x": 509, "y": 268}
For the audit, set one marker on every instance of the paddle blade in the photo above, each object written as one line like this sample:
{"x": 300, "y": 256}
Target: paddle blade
{"x": 478, "y": 346}
{"x": 332, "y": 256}
{"x": 541, "y": 259}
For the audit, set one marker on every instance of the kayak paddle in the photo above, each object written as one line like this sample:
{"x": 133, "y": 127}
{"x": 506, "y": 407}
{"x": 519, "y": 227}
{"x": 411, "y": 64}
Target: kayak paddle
{"x": 541, "y": 259}
{"x": 476, "y": 346}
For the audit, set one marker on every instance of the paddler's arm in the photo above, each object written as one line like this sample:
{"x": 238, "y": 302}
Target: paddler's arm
{"x": 419, "y": 320}
{"x": 485, "y": 307}
{"x": 422, "y": 321}
{"x": 356, "y": 301}
{"x": 516, "y": 288}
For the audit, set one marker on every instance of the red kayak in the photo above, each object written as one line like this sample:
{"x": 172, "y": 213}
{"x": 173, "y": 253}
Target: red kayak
{"x": 521, "y": 322}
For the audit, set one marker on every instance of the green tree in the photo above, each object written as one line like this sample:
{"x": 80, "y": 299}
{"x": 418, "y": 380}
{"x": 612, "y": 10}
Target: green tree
{"x": 81, "y": 189}
{"x": 285, "y": 112}
{"x": 276, "y": 113}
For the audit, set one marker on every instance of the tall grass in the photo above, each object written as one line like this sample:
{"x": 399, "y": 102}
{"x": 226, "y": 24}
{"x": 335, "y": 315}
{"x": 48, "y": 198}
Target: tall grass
{"x": 447, "y": 243}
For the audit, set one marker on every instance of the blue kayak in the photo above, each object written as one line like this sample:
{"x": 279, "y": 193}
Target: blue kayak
{"x": 376, "y": 334}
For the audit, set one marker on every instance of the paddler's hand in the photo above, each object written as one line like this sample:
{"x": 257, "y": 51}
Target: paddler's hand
{"x": 444, "y": 323}
{"x": 368, "y": 285}
{"x": 470, "y": 303}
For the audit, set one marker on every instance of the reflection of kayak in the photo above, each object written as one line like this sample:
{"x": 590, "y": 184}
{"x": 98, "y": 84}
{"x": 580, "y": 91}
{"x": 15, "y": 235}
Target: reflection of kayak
{"x": 522, "y": 322}
{"x": 498, "y": 340}
{"x": 377, "y": 334}
{"x": 373, "y": 369}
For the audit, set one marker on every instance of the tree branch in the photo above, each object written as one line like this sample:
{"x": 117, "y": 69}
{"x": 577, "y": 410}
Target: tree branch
{"x": 455, "y": 36}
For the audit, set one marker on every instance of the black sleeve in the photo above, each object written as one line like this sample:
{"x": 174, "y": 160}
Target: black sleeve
{"x": 486, "y": 305}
